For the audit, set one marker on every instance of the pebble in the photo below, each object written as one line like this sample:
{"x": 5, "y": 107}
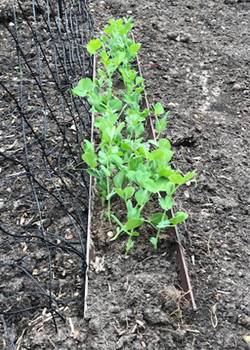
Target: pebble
{"x": 166, "y": 77}
{"x": 186, "y": 38}
{"x": 158, "y": 27}
{"x": 238, "y": 87}
{"x": 156, "y": 316}
{"x": 110, "y": 234}
{"x": 230, "y": 2}
{"x": 244, "y": 320}
{"x": 227, "y": 203}
{"x": 95, "y": 325}
{"x": 172, "y": 35}
{"x": 172, "y": 105}
{"x": 126, "y": 339}
{"x": 178, "y": 335}
{"x": 115, "y": 309}
{"x": 246, "y": 339}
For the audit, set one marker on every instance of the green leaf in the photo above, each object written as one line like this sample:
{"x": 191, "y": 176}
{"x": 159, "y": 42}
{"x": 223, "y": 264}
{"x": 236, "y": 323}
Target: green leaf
{"x": 156, "y": 218}
{"x": 179, "y": 179}
{"x": 161, "y": 155}
{"x": 178, "y": 218}
{"x": 129, "y": 245}
{"x": 165, "y": 185}
{"x": 119, "y": 179}
{"x": 89, "y": 155}
{"x": 165, "y": 171}
{"x": 106, "y": 171}
{"x": 110, "y": 195}
{"x": 134, "y": 48}
{"x": 164, "y": 224}
{"x": 161, "y": 125}
{"x": 141, "y": 197}
{"x": 103, "y": 157}
{"x": 133, "y": 163}
{"x": 154, "y": 242}
{"x": 104, "y": 58}
{"x": 189, "y": 176}
{"x": 133, "y": 223}
{"x": 132, "y": 212}
{"x": 119, "y": 57}
{"x": 97, "y": 103}
{"x": 160, "y": 185}
{"x": 128, "y": 192}
{"x": 166, "y": 203}
{"x": 93, "y": 46}
{"x": 131, "y": 175}
{"x": 139, "y": 80}
{"x": 143, "y": 151}
{"x": 118, "y": 161}
{"x": 176, "y": 178}
{"x": 115, "y": 104}
{"x": 158, "y": 108}
{"x": 134, "y": 234}
{"x": 151, "y": 186}
{"x": 164, "y": 143}
{"x": 83, "y": 87}
{"x": 125, "y": 193}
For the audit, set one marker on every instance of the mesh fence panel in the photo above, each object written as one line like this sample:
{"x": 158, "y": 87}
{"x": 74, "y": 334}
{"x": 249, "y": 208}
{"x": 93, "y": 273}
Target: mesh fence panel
{"x": 44, "y": 187}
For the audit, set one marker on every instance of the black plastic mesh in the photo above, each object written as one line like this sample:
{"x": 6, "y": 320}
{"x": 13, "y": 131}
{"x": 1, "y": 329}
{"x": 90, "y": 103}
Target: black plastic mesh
{"x": 44, "y": 189}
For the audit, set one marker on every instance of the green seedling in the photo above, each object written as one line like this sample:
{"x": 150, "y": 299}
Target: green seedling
{"x": 127, "y": 167}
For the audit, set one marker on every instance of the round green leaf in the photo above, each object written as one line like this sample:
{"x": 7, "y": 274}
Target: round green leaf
{"x": 178, "y": 218}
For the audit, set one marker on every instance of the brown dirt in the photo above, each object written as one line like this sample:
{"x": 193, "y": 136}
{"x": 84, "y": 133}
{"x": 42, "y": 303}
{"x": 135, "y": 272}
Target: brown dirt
{"x": 195, "y": 58}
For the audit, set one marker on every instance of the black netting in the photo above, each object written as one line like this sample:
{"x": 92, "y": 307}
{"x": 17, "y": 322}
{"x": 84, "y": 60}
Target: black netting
{"x": 44, "y": 188}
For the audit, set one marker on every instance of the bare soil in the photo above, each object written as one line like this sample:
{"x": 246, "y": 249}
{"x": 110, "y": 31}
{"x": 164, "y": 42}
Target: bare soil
{"x": 195, "y": 59}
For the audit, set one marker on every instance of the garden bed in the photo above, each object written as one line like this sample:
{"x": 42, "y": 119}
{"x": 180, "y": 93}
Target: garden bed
{"x": 204, "y": 83}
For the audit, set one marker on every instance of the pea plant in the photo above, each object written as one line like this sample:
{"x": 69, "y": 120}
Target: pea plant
{"x": 127, "y": 166}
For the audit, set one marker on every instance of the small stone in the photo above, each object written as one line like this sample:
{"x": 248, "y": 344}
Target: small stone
{"x": 110, "y": 234}
{"x": 166, "y": 77}
{"x": 238, "y": 87}
{"x": 241, "y": 274}
{"x": 185, "y": 38}
{"x": 157, "y": 26}
{"x": 129, "y": 12}
{"x": 172, "y": 105}
{"x": 140, "y": 323}
{"x": 172, "y": 35}
{"x": 244, "y": 320}
{"x": 227, "y": 203}
{"x": 35, "y": 272}
{"x": 155, "y": 316}
{"x": 230, "y": 2}
{"x": 115, "y": 309}
{"x": 95, "y": 325}
{"x": 98, "y": 264}
{"x": 246, "y": 339}
{"x": 178, "y": 335}
{"x": 125, "y": 340}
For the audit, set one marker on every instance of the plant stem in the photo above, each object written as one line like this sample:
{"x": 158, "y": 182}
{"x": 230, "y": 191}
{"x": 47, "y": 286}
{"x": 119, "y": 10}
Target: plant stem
{"x": 109, "y": 204}
{"x": 159, "y": 229}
